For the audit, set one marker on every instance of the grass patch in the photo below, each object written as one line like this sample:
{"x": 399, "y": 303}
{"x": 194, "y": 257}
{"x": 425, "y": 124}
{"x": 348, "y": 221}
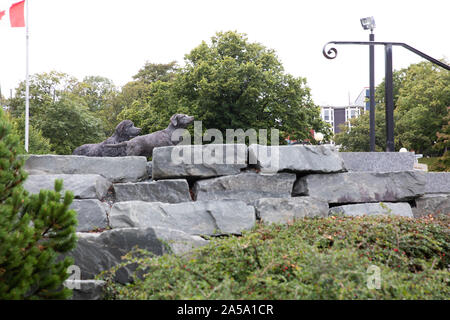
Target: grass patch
{"x": 319, "y": 258}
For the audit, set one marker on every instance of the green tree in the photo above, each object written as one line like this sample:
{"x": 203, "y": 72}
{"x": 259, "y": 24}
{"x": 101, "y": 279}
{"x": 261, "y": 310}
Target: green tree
{"x": 152, "y": 72}
{"x": 422, "y": 106}
{"x": 2, "y": 99}
{"x": 101, "y": 97}
{"x": 96, "y": 91}
{"x": 421, "y": 95}
{"x": 34, "y": 230}
{"x": 233, "y": 83}
{"x": 397, "y": 81}
{"x": 358, "y": 138}
{"x": 154, "y": 106}
{"x": 59, "y": 108}
{"x": 45, "y": 89}
{"x": 443, "y": 145}
{"x": 37, "y": 143}
{"x": 69, "y": 124}
{"x": 230, "y": 83}
{"x": 149, "y": 99}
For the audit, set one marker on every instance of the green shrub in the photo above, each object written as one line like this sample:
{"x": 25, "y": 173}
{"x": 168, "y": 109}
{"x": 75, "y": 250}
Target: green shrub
{"x": 442, "y": 163}
{"x": 320, "y": 258}
{"x": 38, "y": 144}
{"x": 34, "y": 230}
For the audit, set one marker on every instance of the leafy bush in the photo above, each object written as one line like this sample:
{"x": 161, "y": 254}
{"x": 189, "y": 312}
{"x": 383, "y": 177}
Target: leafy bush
{"x": 34, "y": 230}
{"x": 320, "y": 258}
{"x": 38, "y": 144}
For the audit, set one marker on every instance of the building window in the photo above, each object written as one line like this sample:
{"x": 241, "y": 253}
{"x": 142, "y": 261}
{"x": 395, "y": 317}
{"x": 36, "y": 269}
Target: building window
{"x": 326, "y": 115}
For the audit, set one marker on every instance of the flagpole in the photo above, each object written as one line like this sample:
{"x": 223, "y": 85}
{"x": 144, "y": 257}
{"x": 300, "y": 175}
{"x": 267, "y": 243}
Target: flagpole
{"x": 27, "y": 90}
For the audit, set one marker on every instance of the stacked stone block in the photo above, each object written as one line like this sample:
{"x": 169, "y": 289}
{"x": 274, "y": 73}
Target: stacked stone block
{"x": 186, "y": 194}
{"x": 436, "y": 199}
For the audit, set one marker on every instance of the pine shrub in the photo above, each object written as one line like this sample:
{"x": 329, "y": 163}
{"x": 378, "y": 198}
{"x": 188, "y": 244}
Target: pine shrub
{"x": 34, "y": 230}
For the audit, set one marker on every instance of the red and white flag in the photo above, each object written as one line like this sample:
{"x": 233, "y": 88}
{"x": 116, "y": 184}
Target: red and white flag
{"x": 16, "y": 14}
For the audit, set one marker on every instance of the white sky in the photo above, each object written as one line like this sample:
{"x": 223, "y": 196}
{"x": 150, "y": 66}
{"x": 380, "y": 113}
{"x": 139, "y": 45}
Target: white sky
{"x": 114, "y": 38}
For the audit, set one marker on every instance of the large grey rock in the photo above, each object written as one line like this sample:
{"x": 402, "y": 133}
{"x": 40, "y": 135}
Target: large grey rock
{"x": 437, "y": 182}
{"x": 171, "y": 191}
{"x": 115, "y": 169}
{"x": 248, "y": 187}
{"x": 95, "y": 253}
{"x": 433, "y": 204}
{"x": 296, "y": 158}
{"x": 402, "y": 209}
{"x": 180, "y": 243}
{"x": 197, "y": 218}
{"x": 86, "y": 289}
{"x": 361, "y": 187}
{"x": 84, "y": 186}
{"x": 283, "y": 210}
{"x": 92, "y": 214}
{"x": 378, "y": 161}
{"x": 198, "y": 161}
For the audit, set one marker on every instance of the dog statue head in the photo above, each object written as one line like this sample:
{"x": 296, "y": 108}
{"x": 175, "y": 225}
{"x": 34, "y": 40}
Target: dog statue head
{"x": 180, "y": 121}
{"x": 126, "y": 130}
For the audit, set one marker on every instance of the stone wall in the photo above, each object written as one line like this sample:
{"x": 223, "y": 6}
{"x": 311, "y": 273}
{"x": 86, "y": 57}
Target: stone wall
{"x": 164, "y": 206}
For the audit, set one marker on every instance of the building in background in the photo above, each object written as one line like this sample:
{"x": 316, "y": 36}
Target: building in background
{"x": 363, "y": 99}
{"x": 340, "y": 115}
{"x": 337, "y": 115}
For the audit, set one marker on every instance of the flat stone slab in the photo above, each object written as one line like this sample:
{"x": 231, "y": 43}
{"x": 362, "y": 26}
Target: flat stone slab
{"x": 296, "y": 158}
{"x": 402, "y": 209}
{"x": 433, "y": 204}
{"x": 196, "y": 218}
{"x": 437, "y": 182}
{"x": 92, "y": 214}
{"x": 361, "y": 187}
{"x": 97, "y": 252}
{"x": 198, "y": 161}
{"x": 171, "y": 191}
{"x": 378, "y": 161}
{"x": 86, "y": 289}
{"x": 248, "y": 187}
{"x": 115, "y": 169}
{"x": 83, "y": 186}
{"x": 284, "y": 210}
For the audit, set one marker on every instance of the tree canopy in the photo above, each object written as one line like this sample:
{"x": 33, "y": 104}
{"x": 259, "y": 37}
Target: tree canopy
{"x": 229, "y": 83}
{"x": 421, "y": 98}
{"x": 63, "y": 110}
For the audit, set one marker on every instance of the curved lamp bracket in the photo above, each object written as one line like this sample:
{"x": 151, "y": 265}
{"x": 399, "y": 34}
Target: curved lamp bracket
{"x": 332, "y": 52}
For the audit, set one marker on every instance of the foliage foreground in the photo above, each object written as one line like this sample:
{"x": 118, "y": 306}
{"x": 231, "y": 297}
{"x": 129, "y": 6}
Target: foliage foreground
{"x": 320, "y": 258}
{"x": 35, "y": 230}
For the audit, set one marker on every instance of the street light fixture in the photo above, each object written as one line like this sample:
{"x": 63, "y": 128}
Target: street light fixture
{"x": 369, "y": 24}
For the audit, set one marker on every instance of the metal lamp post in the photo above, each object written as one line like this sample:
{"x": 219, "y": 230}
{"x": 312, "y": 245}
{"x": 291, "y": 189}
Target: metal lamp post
{"x": 369, "y": 24}
{"x": 389, "y": 97}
